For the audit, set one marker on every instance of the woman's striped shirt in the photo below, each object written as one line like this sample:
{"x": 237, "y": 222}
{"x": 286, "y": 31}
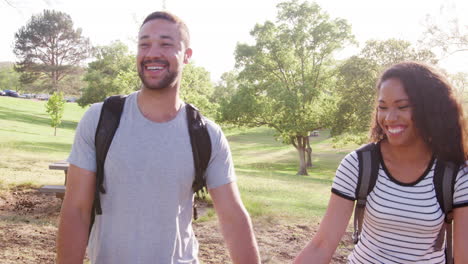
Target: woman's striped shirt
{"x": 401, "y": 220}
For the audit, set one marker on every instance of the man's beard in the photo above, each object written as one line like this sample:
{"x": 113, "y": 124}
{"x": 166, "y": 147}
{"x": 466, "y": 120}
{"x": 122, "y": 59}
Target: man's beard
{"x": 162, "y": 84}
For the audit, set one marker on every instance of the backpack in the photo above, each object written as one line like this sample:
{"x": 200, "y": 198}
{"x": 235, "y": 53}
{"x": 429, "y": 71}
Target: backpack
{"x": 444, "y": 181}
{"x": 107, "y": 126}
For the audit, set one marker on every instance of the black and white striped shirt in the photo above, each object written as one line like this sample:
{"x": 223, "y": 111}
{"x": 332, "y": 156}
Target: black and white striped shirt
{"x": 402, "y": 220}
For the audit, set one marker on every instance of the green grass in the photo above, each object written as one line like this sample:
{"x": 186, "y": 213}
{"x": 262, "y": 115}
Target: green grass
{"x": 266, "y": 168}
{"x": 28, "y": 144}
{"x": 267, "y": 176}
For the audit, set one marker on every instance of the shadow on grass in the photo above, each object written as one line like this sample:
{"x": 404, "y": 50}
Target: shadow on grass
{"x": 286, "y": 172}
{"x": 26, "y": 117}
{"x": 47, "y": 147}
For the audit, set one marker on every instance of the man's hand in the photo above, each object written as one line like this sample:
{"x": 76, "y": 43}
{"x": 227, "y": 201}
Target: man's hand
{"x": 235, "y": 224}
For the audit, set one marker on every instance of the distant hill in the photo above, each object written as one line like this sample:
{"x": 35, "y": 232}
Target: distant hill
{"x": 4, "y": 64}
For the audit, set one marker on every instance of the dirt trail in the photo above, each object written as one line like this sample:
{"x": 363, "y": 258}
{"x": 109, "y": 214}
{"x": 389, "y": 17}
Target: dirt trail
{"x": 28, "y": 226}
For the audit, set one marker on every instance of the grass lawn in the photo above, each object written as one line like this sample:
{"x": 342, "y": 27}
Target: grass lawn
{"x": 28, "y": 144}
{"x": 266, "y": 168}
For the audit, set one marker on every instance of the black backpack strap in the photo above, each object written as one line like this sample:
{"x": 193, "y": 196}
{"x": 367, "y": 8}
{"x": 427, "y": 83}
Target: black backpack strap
{"x": 368, "y": 157}
{"x": 444, "y": 182}
{"x": 201, "y": 149}
{"x": 201, "y": 146}
{"x": 109, "y": 121}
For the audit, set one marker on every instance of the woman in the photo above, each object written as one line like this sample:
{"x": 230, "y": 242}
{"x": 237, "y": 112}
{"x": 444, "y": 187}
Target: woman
{"x": 417, "y": 121}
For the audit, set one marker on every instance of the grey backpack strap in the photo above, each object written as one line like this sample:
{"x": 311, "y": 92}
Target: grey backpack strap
{"x": 444, "y": 182}
{"x": 368, "y": 170}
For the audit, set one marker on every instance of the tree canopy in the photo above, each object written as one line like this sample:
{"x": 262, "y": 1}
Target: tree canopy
{"x": 284, "y": 77}
{"x": 113, "y": 72}
{"x": 357, "y": 77}
{"x": 49, "y": 48}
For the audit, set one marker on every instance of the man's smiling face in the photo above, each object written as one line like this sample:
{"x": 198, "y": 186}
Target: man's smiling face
{"x": 161, "y": 54}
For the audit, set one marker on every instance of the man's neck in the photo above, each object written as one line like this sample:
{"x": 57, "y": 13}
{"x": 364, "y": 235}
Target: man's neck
{"x": 159, "y": 105}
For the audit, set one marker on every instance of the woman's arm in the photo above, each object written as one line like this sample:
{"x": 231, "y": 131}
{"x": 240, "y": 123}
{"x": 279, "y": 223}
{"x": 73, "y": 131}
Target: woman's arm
{"x": 460, "y": 234}
{"x": 322, "y": 246}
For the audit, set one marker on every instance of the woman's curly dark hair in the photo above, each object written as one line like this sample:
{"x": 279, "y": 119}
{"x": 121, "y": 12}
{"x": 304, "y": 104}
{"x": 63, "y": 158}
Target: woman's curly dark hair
{"x": 436, "y": 113}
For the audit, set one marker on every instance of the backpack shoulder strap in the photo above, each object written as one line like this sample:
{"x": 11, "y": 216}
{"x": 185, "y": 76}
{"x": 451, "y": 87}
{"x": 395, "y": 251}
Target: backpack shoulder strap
{"x": 109, "y": 121}
{"x": 201, "y": 146}
{"x": 444, "y": 182}
{"x": 368, "y": 157}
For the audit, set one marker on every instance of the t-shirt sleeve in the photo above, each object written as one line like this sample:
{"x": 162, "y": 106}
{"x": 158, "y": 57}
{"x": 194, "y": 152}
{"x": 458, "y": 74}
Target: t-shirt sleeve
{"x": 220, "y": 169}
{"x": 83, "y": 153}
{"x": 346, "y": 177}
{"x": 460, "y": 196}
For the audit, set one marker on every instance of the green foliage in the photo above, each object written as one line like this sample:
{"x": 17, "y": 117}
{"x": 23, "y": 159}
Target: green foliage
{"x": 197, "y": 89}
{"x": 55, "y": 107}
{"x": 285, "y": 77}
{"x": 347, "y": 139}
{"x": 49, "y": 48}
{"x": 113, "y": 72}
{"x": 9, "y": 78}
{"x": 356, "y": 80}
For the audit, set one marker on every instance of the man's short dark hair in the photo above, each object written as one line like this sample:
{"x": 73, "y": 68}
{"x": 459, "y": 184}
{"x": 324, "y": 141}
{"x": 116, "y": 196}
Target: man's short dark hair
{"x": 184, "y": 32}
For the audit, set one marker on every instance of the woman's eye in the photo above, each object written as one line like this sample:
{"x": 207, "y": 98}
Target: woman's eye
{"x": 403, "y": 107}
{"x": 382, "y": 107}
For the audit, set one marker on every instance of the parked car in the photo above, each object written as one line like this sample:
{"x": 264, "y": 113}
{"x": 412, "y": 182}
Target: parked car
{"x": 11, "y": 93}
{"x": 2, "y": 93}
{"x": 44, "y": 97}
{"x": 70, "y": 99}
{"x": 29, "y": 96}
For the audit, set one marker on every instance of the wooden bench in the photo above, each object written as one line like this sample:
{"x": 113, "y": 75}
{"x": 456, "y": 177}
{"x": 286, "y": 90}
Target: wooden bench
{"x": 59, "y": 190}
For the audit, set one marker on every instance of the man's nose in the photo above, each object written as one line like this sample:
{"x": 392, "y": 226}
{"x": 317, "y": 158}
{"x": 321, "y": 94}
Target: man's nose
{"x": 154, "y": 51}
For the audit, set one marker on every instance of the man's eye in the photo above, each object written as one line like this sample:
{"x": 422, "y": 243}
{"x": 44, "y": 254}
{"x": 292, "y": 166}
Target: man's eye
{"x": 144, "y": 45}
{"x": 166, "y": 44}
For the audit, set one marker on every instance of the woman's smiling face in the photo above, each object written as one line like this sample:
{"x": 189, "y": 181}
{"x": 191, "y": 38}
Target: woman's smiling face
{"x": 395, "y": 114}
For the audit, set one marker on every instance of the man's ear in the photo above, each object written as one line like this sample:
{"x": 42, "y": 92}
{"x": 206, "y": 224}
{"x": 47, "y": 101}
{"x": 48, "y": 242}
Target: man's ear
{"x": 188, "y": 55}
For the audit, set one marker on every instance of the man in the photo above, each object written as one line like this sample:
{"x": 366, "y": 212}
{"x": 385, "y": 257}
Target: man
{"x": 149, "y": 170}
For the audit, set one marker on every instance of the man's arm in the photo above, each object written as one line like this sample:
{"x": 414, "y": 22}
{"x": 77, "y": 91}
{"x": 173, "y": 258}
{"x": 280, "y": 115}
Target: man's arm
{"x": 235, "y": 223}
{"x": 75, "y": 216}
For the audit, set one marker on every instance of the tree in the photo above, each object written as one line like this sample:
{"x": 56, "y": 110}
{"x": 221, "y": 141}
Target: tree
{"x": 285, "y": 75}
{"x": 450, "y": 39}
{"x": 226, "y": 87}
{"x": 460, "y": 84}
{"x": 113, "y": 72}
{"x": 357, "y": 77}
{"x": 9, "y": 78}
{"x": 55, "y": 106}
{"x": 49, "y": 48}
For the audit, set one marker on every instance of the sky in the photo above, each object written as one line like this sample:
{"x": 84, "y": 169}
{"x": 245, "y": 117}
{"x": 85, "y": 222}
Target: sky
{"x": 216, "y": 26}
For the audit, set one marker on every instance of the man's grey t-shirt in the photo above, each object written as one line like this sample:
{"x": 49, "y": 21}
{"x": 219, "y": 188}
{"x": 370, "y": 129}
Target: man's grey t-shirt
{"x": 149, "y": 171}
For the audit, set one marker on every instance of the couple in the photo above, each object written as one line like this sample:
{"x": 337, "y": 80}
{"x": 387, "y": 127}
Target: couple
{"x": 147, "y": 207}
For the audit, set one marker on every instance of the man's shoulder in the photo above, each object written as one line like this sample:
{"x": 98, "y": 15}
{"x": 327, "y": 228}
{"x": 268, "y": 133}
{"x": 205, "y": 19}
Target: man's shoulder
{"x": 91, "y": 116}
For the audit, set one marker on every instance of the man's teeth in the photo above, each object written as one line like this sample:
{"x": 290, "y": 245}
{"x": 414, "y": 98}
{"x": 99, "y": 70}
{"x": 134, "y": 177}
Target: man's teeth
{"x": 154, "y": 68}
{"x": 395, "y": 130}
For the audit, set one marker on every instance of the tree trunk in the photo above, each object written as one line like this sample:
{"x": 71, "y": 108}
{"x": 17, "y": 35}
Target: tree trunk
{"x": 309, "y": 152}
{"x": 300, "y": 146}
{"x": 55, "y": 131}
